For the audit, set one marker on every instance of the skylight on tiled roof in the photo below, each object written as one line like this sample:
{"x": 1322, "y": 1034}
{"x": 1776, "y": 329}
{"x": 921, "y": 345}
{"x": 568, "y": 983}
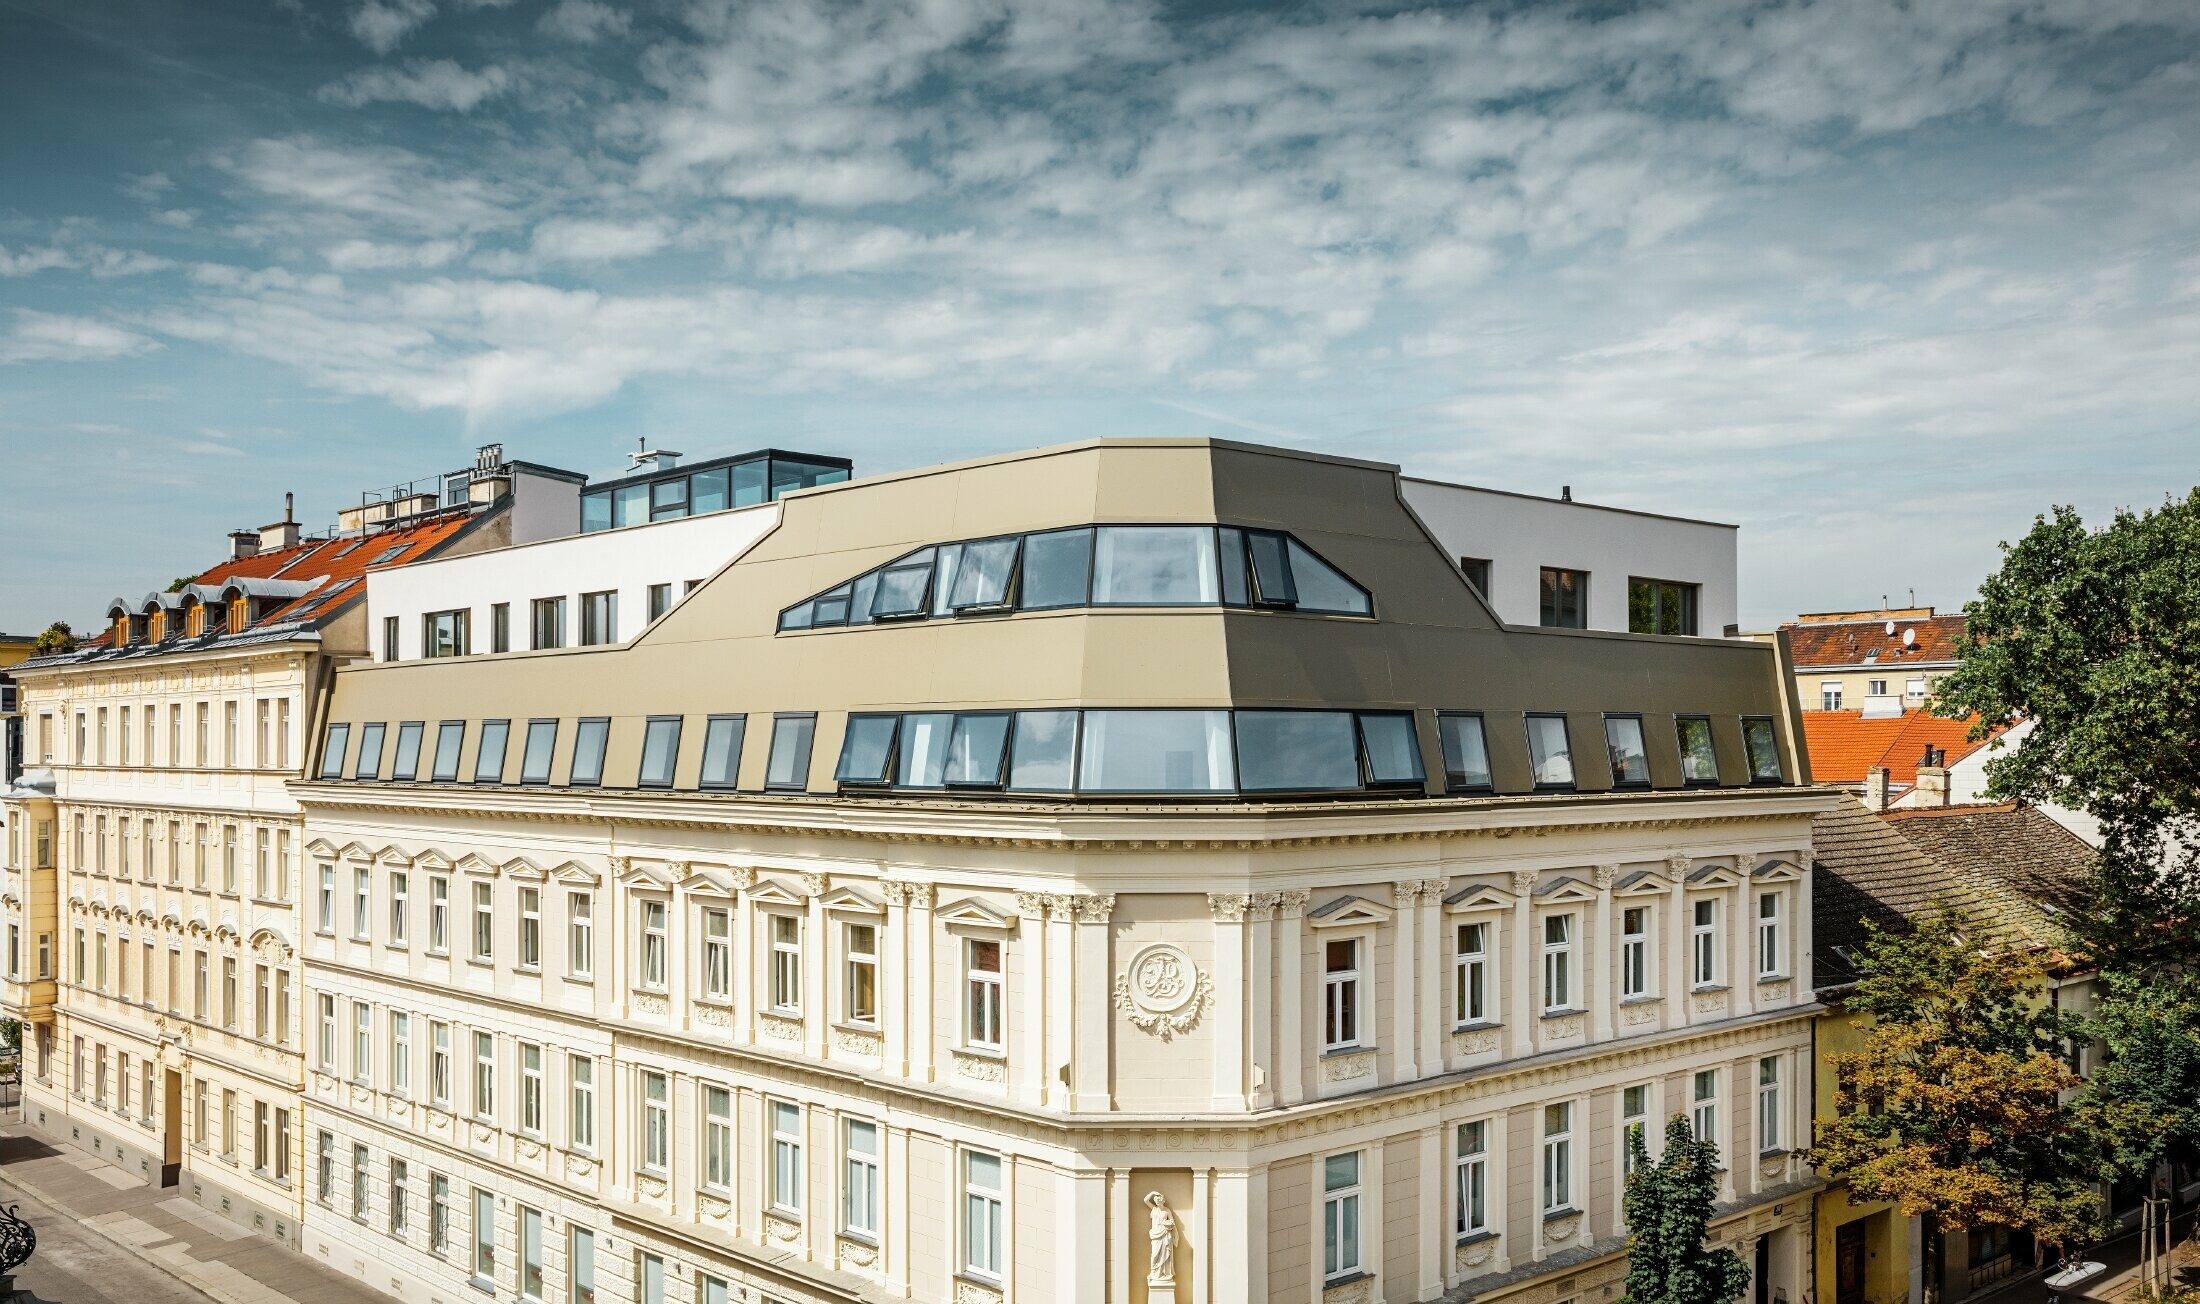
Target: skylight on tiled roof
{"x": 389, "y": 553}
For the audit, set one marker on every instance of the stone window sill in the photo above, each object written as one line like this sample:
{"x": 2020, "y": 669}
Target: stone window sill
{"x": 1567, "y": 1211}
{"x": 1765, "y": 978}
{"x": 1331, "y": 1283}
{"x": 1705, "y": 988}
{"x": 1476, "y": 1238}
{"x": 1340, "y": 1052}
{"x": 1478, "y": 1025}
{"x": 984, "y": 1052}
{"x": 1644, "y": 999}
{"x": 1563, "y": 1012}
{"x": 870, "y": 1029}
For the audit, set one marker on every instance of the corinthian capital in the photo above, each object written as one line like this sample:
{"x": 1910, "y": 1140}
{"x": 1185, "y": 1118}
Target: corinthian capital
{"x": 1229, "y": 907}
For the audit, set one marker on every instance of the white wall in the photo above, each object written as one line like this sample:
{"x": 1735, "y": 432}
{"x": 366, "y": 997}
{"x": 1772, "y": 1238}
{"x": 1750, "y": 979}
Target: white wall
{"x": 628, "y": 560}
{"x": 1967, "y": 783}
{"x": 1519, "y": 535}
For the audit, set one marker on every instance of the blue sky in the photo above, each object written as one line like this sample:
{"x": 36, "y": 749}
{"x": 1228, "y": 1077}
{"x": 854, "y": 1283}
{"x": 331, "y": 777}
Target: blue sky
{"x": 1877, "y": 281}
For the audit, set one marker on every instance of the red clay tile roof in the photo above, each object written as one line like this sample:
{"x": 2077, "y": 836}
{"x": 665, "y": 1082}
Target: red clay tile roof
{"x": 1844, "y": 746}
{"x": 335, "y": 562}
{"x": 1825, "y": 645}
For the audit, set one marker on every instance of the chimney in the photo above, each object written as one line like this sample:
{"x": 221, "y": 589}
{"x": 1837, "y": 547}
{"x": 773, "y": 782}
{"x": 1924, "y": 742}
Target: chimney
{"x": 652, "y": 459}
{"x": 1565, "y": 493}
{"x": 243, "y": 543}
{"x": 1875, "y": 788}
{"x": 1932, "y": 782}
{"x": 283, "y": 533}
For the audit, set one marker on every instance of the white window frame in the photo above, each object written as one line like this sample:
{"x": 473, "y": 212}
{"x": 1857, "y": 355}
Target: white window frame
{"x": 1703, "y": 935}
{"x": 717, "y": 953}
{"x": 439, "y": 914}
{"x": 1558, "y": 961}
{"x": 1770, "y": 960}
{"x": 654, "y": 946}
{"x": 656, "y": 1121}
{"x": 1470, "y": 1168}
{"x": 439, "y": 1063}
{"x": 529, "y": 958}
{"x": 1703, "y": 1105}
{"x": 580, "y": 1091}
{"x": 400, "y": 1053}
{"x": 859, "y": 966}
{"x": 861, "y": 1172}
{"x": 1558, "y": 1157}
{"x": 1470, "y": 974}
{"x": 531, "y": 1102}
{"x": 1343, "y": 1226}
{"x": 1342, "y": 1006}
{"x": 783, "y": 1180}
{"x": 485, "y": 1076}
{"x": 362, "y": 904}
{"x": 985, "y": 995}
{"x": 400, "y": 908}
{"x": 984, "y": 1216}
{"x": 1771, "y": 1123}
{"x": 786, "y": 962}
{"x": 717, "y": 1166}
{"x": 481, "y": 938}
{"x": 580, "y": 934}
{"x": 1633, "y": 1118}
{"x": 1634, "y": 950}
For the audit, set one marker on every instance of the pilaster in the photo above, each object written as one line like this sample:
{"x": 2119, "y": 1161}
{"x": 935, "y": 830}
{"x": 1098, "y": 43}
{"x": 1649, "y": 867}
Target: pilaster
{"x": 1229, "y": 1016}
{"x": 1061, "y": 999}
{"x": 894, "y": 975}
{"x": 1291, "y": 1018}
{"x": 815, "y": 1006}
{"x": 1601, "y": 961}
{"x": 1027, "y": 1023}
{"x": 1092, "y": 1073}
{"x": 1522, "y": 967}
{"x": 1260, "y": 991}
{"x": 922, "y": 1065}
{"x": 745, "y": 959}
{"x": 1405, "y": 985}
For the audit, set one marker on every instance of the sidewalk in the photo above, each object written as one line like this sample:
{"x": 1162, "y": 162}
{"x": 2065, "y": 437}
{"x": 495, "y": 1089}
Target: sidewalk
{"x": 2122, "y": 1257}
{"x": 162, "y": 1228}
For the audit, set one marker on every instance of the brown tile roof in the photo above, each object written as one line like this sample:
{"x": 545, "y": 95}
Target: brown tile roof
{"x": 335, "y": 562}
{"x": 1850, "y": 644}
{"x": 2016, "y": 850}
{"x": 2011, "y": 865}
{"x": 1844, "y": 746}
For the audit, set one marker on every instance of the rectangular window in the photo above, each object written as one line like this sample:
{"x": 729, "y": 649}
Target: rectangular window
{"x": 718, "y": 954}
{"x": 400, "y": 907}
{"x": 660, "y": 751}
{"x": 599, "y": 618}
{"x": 1340, "y": 1216}
{"x": 530, "y": 1088}
{"x": 1341, "y": 994}
{"x": 660, "y": 600}
{"x": 439, "y": 1064}
{"x": 1763, "y": 748}
{"x": 1634, "y": 1127}
{"x": 489, "y": 758}
{"x": 1477, "y": 573}
{"x": 1661, "y": 607}
{"x": 1704, "y": 935}
{"x": 359, "y": 1176}
{"x": 786, "y": 971}
{"x": 859, "y": 1204}
{"x": 580, "y": 1267}
{"x": 649, "y": 1280}
{"x": 983, "y": 1206}
{"x": 722, "y": 750}
{"x": 485, "y": 923}
{"x": 1699, "y": 758}
{"x": 654, "y": 946}
{"x": 549, "y": 626}
{"x": 362, "y": 1042}
{"x": 1875, "y": 688}
{"x": 656, "y": 1123}
{"x": 389, "y": 638}
{"x": 1704, "y": 1106}
{"x": 1156, "y": 751}
{"x": 400, "y": 1196}
{"x": 1630, "y": 760}
{"x": 1470, "y": 995}
{"x": 1470, "y": 1179}
{"x": 786, "y": 1171}
{"x": 485, "y": 1076}
{"x": 500, "y": 627}
{"x": 1768, "y": 934}
{"x": 1634, "y": 951}
{"x": 717, "y": 1138}
{"x": 789, "y": 766}
{"x": 370, "y": 751}
{"x": 439, "y": 914}
{"x": 439, "y": 1213}
{"x": 861, "y": 997}
{"x": 1043, "y": 751}
{"x": 530, "y": 928}
{"x": 1829, "y": 695}
{"x": 580, "y": 1090}
{"x": 362, "y": 898}
{"x": 1565, "y": 598}
{"x": 1558, "y": 1157}
{"x": 450, "y": 740}
{"x": 589, "y": 737}
{"x": 400, "y": 1052}
{"x": 1768, "y": 1103}
{"x": 406, "y": 769}
{"x": 485, "y": 1236}
{"x": 231, "y": 756}
{"x": 443, "y": 633}
{"x": 984, "y": 983}
{"x": 1550, "y": 753}
{"x": 1558, "y": 962}
{"x": 580, "y": 934}
{"x": 542, "y": 740}
{"x": 324, "y": 1160}
{"x": 1466, "y": 751}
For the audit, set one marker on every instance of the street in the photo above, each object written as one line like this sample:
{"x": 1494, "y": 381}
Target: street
{"x": 75, "y": 1265}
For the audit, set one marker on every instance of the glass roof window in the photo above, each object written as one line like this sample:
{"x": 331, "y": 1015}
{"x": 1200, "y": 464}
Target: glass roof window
{"x": 714, "y": 486}
{"x": 1090, "y": 566}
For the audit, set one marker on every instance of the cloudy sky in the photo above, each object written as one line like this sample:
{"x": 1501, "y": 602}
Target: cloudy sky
{"x": 1877, "y": 281}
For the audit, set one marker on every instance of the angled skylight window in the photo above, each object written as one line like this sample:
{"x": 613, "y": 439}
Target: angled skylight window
{"x": 867, "y": 751}
{"x": 903, "y": 587}
{"x": 981, "y": 583}
{"x": 388, "y": 553}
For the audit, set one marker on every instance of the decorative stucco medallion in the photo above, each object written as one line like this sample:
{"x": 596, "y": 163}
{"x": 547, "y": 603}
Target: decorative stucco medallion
{"x": 1635, "y": 1016}
{"x": 1346, "y": 1067}
{"x": 1351, "y": 1292}
{"x": 1480, "y": 1041}
{"x": 1474, "y": 1256}
{"x": 1708, "y": 1002}
{"x": 858, "y": 1254}
{"x": 1163, "y": 992}
{"x": 978, "y": 1068}
{"x": 643, "y": 1003}
{"x": 779, "y": 1029}
{"x": 1560, "y": 1230}
{"x": 970, "y": 1292}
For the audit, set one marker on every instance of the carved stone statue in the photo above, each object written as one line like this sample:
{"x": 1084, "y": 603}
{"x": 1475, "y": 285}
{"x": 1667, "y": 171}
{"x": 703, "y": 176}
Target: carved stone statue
{"x": 1161, "y": 1238}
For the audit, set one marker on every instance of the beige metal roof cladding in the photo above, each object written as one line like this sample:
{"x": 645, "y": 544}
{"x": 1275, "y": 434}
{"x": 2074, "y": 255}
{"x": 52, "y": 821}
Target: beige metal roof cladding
{"x": 1433, "y": 644}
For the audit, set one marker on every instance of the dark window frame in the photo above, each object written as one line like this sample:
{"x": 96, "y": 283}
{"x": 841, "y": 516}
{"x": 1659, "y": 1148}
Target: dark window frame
{"x": 650, "y": 727}
{"x": 1229, "y": 732}
{"x": 418, "y": 730}
{"x": 381, "y": 731}
{"x": 1482, "y": 727}
{"x": 1778, "y": 778}
{"x": 458, "y": 752}
{"x": 1689, "y": 595}
{"x": 999, "y": 781}
{"x": 801, "y": 782}
{"x": 1711, "y": 733}
{"x": 503, "y": 751}
{"x": 739, "y": 720}
{"x": 1573, "y": 767}
{"x": 603, "y": 749}
{"x": 1642, "y": 737}
{"x": 1476, "y": 571}
{"x": 885, "y": 776}
{"x": 335, "y": 739}
{"x": 462, "y": 630}
{"x": 550, "y": 753}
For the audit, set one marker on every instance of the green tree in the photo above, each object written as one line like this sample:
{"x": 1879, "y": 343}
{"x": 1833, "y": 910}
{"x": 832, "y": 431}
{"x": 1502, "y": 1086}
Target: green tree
{"x": 1668, "y": 1207}
{"x": 57, "y": 637}
{"x": 2093, "y": 635}
{"x": 1955, "y": 1105}
{"x": 2144, "y": 1098}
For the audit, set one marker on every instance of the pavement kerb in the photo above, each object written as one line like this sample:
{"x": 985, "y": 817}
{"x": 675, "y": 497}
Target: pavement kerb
{"x": 32, "y": 1195}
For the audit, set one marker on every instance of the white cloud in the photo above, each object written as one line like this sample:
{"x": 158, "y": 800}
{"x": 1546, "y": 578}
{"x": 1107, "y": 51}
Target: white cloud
{"x": 57, "y": 337}
{"x": 431, "y": 84}
{"x": 381, "y": 184}
{"x": 582, "y": 240}
{"x": 381, "y": 24}
{"x": 583, "y": 21}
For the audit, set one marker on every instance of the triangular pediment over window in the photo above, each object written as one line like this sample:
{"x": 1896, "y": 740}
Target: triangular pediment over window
{"x": 973, "y": 913}
{"x": 1348, "y": 912}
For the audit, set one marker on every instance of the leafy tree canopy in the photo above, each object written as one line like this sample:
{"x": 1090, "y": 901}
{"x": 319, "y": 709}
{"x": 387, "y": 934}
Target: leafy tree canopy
{"x": 1954, "y": 1106}
{"x": 2144, "y": 1098}
{"x": 57, "y": 637}
{"x": 1668, "y": 1205}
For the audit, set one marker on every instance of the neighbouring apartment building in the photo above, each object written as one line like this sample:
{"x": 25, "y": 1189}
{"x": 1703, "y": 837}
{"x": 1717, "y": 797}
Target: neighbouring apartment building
{"x": 1140, "y": 872}
{"x": 152, "y": 888}
{"x": 1880, "y": 664}
{"x": 1562, "y": 564}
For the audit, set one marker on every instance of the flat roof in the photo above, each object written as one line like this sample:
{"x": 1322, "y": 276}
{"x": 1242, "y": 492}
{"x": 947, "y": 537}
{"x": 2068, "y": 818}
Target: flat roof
{"x": 1568, "y": 502}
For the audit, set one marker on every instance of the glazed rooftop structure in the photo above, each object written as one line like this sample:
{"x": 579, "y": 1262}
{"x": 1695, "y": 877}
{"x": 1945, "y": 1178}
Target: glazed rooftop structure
{"x": 1124, "y": 619}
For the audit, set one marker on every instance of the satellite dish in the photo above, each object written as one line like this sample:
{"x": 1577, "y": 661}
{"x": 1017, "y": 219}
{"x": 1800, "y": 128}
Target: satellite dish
{"x": 1909, "y": 638}
{"x": 1890, "y": 629}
